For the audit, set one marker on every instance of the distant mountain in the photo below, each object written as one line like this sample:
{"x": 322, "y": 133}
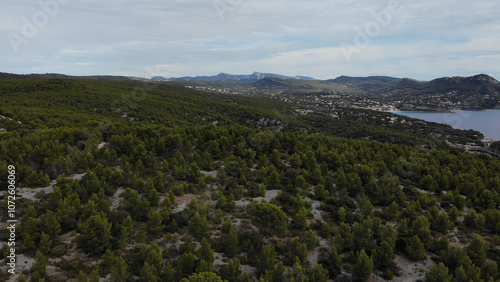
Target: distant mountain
{"x": 410, "y": 83}
{"x": 475, "y": 92}
{"x": 231, "y": 77}
{"x": 366, "y": 83}
{"x": 64, "y": 76}
{"x": 476, "y": 84}
{"x": 270, "y": 83}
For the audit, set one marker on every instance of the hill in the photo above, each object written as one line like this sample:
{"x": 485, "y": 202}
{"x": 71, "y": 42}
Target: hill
{"x": 141, "y": 181}
{"x": 366, "y": 83}
{"x": 475, "y": 92}
{"x": 442, "y": 94}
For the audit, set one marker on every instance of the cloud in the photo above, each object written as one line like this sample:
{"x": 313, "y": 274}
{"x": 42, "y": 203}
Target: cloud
{"x": 195, "y": 37}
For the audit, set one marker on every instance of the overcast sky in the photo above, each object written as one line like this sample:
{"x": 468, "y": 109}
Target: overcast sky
{"x": 320, "y": 38}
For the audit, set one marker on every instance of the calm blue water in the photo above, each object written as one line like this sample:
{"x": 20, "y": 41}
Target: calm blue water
{"x": 487, "y": 122}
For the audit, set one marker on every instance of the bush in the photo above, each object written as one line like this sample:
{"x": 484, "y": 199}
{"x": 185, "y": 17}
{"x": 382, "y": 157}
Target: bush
{"x": 59, "y": 250}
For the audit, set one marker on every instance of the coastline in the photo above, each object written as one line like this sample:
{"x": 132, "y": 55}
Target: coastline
{"x": 442, "y": 111}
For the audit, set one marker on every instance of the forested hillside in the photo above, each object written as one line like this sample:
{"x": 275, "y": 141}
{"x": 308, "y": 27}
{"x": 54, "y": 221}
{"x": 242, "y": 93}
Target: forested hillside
{"x": 135, "y": 181}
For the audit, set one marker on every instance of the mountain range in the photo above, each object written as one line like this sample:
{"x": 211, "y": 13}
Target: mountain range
{"x": 231, "y": 77}
{"x": 476, "y": 92}
{"x": 446, "y": 93}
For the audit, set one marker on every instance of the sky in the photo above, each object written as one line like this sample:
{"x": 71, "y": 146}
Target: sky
{"x": 321, "y": 38}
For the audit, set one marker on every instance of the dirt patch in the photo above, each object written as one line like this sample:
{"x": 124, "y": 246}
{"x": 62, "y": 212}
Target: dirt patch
{"x": 410, "y": 270}
{"x": 250, "y": 269}
{"x": 270, "y": 194}
{"x": 101, "y": 145}
{"x": 30, "y": 193}
{"x": 212, "y": 173}
{"x": 181, "y": 202}
{"x": 68, "y": 237}
{"x": 116, "y": 200}
{"x": 219, "y": 260}
{"x": 453, "y": 238}
{"x": 242, "y": 203}
{"x": 423, "y": 191}
{"x": 316, "y": 212}
{"x": 313, "y": 256}
{"x": 77, "y": 177}
{"x": 23, "y": 263}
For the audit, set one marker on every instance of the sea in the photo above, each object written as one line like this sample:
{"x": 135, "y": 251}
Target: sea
{"x": 487, "y": 122}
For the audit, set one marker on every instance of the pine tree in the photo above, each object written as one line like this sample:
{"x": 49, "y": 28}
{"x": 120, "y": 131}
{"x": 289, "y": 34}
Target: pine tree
{"x": 153, "y": 257}
{"x": 477, "y": 250}
{"x": 366, "y": 206}
{"x": 188, "y": 245}
{"x": 155, "y": 222}
{"x": 40, "y": 265}
{"x": 45, "y": 243}
{"x": 185, "y": 265}
{"x": 204, "y": 266}
{"x": 205, "y": 252}
{"x": 231, "y": 271}
{"x": 268, "y": 217}
{"x": 344, "y": 238}
{"x": 319, "y": 274}
{"x": 442, "y": 223}
{"x": 29, "y": 223}
{"x": 363, "y": 267}
{"x": 383, "y": 256}
{"x": 421, "y": 227}
{"x": 126, "y": 229}
{"x": 393, "y": 210}
{"x": 415, "y": 248}
{"x": 362, "y": 234}
{"x": 199, "y": 226}
{"x": 310, "y": 239}
{"x": 230, "y": 243}
{"x": 67, "y": 214}
{"x": 168, "y": 274}
{"x": 82, "y": 277}
{"x": 299, "y": 219}
{"x": 94, "y": 276}
{"x": 266, "y": 258}
{"x": 148, "y": 273}
{"x": 95, "y": 234}
{"x": 331, "y": 261}
{"x": 120, "y": 270}
{"x": 342, "y": 214}
{"x": 49, "y": 224}
{"x": 297, "y": 273}
{"x": 22, "y": 278}
{"x": 438, "y": 273}
{"x": 28, "y": 243}
{"x": 203, "y": 277}
{"x": 320, "y": 193}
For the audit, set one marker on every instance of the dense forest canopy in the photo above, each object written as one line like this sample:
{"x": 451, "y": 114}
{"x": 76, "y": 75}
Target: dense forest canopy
{"x": 138, "y": 181}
